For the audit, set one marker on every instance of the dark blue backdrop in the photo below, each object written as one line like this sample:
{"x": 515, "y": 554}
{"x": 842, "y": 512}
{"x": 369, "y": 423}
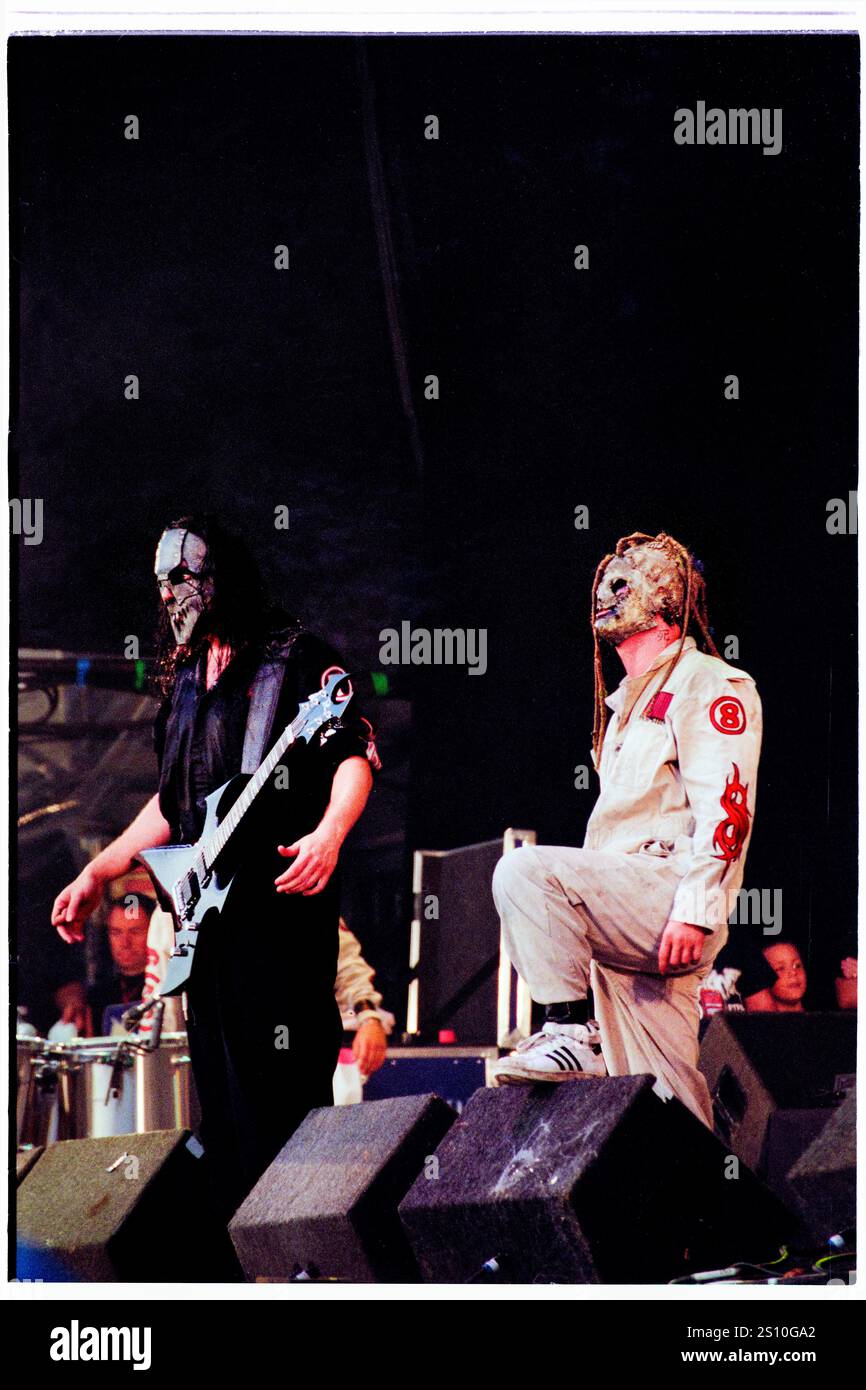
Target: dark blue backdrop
{"x": 557, "y": 387}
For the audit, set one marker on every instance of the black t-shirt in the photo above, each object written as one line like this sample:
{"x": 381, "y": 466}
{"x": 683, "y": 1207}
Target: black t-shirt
{"x": 199, "y": 739}
{"x": 740, "y": 970}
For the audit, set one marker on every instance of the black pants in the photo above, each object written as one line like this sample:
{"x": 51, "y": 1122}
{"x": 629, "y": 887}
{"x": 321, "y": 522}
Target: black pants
{"x": 264, "y": 1028}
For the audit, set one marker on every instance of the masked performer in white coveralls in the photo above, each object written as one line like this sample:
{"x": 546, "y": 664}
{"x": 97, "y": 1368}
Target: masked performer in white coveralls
{"x": 640, "y": 912}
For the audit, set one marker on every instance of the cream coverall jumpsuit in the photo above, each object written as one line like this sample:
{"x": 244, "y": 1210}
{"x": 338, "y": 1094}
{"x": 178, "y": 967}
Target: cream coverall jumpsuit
{"x": 667, "y": 839}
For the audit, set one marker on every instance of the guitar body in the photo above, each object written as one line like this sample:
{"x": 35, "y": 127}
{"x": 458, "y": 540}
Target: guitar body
{"x": 193, "y": 881}
{"x": 168, "y": 866}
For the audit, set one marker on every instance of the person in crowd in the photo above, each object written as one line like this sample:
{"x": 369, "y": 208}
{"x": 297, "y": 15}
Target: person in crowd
{"x": 83, "y": 1010}
{"x": 740, "y": 972}
{"x": 788, "y": 990}
{"x": 846, "y": 983}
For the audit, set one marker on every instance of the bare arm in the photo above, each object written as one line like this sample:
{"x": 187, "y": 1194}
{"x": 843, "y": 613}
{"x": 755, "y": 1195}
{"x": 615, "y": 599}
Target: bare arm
{"x": 349, "y": 791}
{"x": 76, "y": 902}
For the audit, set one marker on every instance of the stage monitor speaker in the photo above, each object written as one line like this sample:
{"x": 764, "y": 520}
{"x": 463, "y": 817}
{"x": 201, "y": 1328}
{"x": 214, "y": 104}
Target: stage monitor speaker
{"x": 591, "y": 1181}
{"x": 823, "y": 1180}
{"x": 327, "y": 1206}
{"x": 120, "y": 1209}
{"x": 454, "y": 948}
{"x": 758, "y": 1065}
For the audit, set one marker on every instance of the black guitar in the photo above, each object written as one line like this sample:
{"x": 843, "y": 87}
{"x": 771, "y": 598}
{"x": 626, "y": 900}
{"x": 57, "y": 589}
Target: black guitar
{"x": 194, "y": 880}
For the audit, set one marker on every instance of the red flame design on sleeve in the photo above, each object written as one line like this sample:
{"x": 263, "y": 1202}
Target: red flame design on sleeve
{"x": 731, "y": 832}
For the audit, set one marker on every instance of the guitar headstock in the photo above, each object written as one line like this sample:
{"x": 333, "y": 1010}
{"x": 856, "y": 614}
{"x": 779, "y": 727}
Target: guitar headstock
{"x": 322, "y": 706}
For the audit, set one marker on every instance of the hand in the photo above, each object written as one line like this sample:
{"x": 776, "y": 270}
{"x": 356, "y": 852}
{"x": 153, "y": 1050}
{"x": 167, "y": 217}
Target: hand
{"x": 75, "y": 903}
{"x": 681, "y": 944}
{"x": 317, "y": 855}
{"x": 370, "y": 1046}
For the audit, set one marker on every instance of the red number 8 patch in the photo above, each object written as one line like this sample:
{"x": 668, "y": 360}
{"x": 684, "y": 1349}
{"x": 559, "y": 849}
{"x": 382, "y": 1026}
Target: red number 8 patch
{"x": 727, "y": 715}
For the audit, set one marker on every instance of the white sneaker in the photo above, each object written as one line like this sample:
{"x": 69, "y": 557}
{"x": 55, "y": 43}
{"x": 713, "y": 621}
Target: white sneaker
{"x": 560, "y": 1052}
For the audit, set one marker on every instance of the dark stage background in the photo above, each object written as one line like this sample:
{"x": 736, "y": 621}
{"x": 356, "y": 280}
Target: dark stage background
{"x": 557, "y": 388}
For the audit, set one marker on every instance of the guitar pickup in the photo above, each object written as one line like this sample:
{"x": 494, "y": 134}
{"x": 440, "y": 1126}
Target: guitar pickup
{"x": 188, "y": 893}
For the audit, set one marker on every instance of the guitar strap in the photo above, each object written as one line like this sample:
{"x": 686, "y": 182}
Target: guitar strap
{"x": 264, "y": 698}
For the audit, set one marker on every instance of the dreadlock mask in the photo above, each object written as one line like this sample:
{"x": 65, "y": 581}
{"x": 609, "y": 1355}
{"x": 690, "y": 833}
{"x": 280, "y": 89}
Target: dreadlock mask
{"x": 185, "y": 578}
{"x": 646, "y": 577}
{"x": 637, "y": 587}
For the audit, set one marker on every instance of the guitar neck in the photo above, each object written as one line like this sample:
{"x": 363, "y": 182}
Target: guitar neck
{"x": 218, "y": 841}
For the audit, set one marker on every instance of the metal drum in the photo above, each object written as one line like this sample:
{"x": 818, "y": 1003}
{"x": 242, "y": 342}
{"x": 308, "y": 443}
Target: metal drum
{"x": 78, "y": 1090}
{"x": 29, "y": 1048}
{"x": 96, "y": 1087}
{"x": 165, "y": 1095}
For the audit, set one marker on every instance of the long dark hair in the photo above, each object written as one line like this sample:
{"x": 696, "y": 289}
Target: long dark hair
{"x": 242, "y": 614}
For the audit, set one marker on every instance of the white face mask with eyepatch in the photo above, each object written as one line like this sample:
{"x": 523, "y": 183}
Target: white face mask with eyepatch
{"x": 183, "y": 573}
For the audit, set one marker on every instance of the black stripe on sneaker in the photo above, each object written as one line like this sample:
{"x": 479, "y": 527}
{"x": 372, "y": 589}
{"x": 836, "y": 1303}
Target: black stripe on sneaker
{"x": 563, "y": 1066}
{"x": 571, "y": 1062}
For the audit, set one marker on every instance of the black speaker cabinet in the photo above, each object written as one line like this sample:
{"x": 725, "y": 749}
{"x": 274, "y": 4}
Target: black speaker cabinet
{"x": 823, "y": 1180}
{"x": 128, "y": 1208}
{"x": 760, "y": 1065}
{"x": 592, "y": 1181}
{"x": 327, "y": 1206}
{"x": 455, "y": 945}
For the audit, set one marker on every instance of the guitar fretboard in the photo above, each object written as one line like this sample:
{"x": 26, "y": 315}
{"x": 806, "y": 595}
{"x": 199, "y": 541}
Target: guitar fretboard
{"x": 218, "y": 841}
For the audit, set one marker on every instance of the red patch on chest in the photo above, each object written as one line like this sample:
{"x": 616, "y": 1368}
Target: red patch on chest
{"x": 658, "y": 706}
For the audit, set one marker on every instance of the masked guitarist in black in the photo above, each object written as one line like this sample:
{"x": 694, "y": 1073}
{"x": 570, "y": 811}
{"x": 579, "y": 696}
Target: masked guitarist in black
{"x": 264, "y": 1030}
